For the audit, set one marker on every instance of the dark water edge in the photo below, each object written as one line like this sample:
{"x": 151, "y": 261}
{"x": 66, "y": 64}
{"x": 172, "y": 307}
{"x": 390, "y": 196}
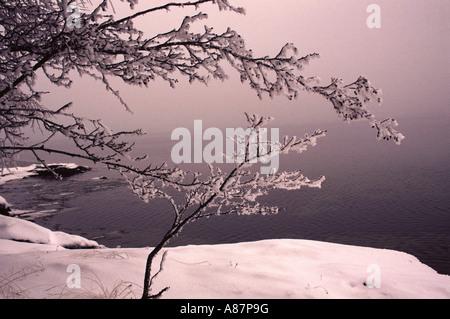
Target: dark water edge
{"x": 375, "y": 195}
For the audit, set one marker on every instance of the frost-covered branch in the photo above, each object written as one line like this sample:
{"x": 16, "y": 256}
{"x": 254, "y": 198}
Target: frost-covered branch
{"x": 91, "y": 138}
{"x": 350, "y": 102}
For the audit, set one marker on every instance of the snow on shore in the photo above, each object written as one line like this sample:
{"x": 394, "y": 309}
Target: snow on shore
{"x": 13, "y": 173}
{"x": 272, "y": 269}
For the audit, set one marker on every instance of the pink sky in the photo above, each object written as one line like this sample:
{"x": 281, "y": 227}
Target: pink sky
{"x": 407, "y": 58}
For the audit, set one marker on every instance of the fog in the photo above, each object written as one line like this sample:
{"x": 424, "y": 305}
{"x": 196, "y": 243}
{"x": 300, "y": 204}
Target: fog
{"x": 407, "y": 58}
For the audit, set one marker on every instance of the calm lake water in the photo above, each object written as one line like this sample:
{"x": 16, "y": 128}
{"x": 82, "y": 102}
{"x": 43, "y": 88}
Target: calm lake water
{"x": 376, "y": 194}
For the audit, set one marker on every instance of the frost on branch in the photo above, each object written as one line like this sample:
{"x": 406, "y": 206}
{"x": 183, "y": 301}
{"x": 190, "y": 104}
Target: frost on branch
{"x": 193, "y": 196}
{"x": 386, "y": 130}
{"x": 200, "y": 55}
{"x": 236, "y": 190}
{"x": 350, "y": 102}
{"x": 219, "y": 192}
{"x": 222, "y": 4}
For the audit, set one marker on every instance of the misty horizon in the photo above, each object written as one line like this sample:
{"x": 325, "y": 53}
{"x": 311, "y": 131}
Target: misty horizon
{"x": 406, "y": 58}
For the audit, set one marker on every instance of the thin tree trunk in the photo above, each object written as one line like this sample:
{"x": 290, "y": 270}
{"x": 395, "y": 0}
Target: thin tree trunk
{"x": 170, "y": 234}
{"x": 148, "y": 267}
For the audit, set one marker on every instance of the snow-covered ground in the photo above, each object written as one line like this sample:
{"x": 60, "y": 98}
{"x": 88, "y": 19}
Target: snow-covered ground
{"x": 273, "y": 269}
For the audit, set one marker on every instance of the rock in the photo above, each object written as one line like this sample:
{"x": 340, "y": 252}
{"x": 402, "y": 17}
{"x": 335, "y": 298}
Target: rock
{"x": 4, "y": 207}
{"x": 63, "y": 170}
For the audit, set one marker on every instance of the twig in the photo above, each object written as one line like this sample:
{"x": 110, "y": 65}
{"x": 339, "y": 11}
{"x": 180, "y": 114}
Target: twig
{"x": 59, "y": 177}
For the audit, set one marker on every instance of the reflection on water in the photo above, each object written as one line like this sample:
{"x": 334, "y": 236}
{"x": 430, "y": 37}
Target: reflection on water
{"x": 375, "y": 194}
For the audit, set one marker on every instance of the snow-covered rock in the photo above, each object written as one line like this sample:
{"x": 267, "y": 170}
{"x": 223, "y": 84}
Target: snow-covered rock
{"x": 62, "y": 169}
{"x": 13, "y": 228}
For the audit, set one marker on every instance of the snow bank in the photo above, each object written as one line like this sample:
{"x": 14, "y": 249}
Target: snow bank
{"x": 16, "y": 229}
{"x": 297, "y": 269}
{"x": 272, "y": 269}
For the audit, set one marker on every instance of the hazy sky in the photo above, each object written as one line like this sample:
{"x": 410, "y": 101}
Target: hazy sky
{"x": 408, "y": 58}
